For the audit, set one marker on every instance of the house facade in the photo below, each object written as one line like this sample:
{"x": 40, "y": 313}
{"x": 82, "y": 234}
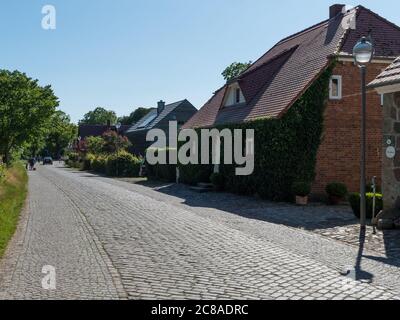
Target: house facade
{"x": 272, "y": 85}
{"x": 388, "y": 84}
{"x": 158, "y": 118}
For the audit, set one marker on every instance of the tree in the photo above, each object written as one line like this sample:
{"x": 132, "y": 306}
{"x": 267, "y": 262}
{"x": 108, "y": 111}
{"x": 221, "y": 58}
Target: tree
{"x": 134, "y": 117}
{"x": 25, "y": 109}
{"x": 60, "y": 134}
{"x": 113, "y": 142}
{"x": 99, "y": 116}
{"x": 235, "y": 69}
{"x": 94, "y": 145}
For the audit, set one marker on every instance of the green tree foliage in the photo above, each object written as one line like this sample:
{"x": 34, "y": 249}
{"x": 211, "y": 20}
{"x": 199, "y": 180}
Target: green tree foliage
{"x": 25, "y": 109}
{"x": 99, "y": 116}
{"x": 59, "y": 135}
{"x": 94, "y": 145}
{"x": 114, "y": 142}
{"x": 134, "y": 117}
{"x": 234, "y": 70}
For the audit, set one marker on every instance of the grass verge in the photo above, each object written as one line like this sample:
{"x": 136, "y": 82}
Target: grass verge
{"x": 13, "y": 191}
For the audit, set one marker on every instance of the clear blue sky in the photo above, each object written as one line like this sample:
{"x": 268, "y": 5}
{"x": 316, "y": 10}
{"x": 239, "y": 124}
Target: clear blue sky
{"x": 124, "y": 54}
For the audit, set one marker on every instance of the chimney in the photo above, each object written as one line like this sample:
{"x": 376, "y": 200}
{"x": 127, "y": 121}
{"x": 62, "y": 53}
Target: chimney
{"x": 335, "y": 9}
{"x": 160, "y": 106}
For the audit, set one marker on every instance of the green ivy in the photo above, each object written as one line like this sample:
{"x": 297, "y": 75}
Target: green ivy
{"x": 285, "y": 148}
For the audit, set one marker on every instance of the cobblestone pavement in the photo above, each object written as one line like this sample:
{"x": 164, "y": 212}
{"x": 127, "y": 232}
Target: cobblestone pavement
{"x": 335, "y": 222}
{"x": 110, "y": 239}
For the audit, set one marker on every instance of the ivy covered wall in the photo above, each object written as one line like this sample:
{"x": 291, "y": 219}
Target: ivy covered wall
{"x": 285, "y": 148}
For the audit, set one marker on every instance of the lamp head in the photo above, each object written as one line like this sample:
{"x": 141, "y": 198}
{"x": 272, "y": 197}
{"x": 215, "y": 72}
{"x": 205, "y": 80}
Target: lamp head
{"x": 363, "y": 52}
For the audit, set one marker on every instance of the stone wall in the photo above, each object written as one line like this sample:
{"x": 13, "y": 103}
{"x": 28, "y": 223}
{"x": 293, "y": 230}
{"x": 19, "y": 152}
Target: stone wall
{"x": 391, "y": 151}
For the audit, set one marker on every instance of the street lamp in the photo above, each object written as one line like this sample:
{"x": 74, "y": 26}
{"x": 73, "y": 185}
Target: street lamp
{"x": 363, "y": 53}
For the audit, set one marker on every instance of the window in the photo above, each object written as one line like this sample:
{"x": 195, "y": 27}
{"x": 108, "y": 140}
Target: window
{"x": 335, "y": 88}
{"x": 234, "y": 96}
{"x": 237, "y": 95}
{"x": 147, "y": 121}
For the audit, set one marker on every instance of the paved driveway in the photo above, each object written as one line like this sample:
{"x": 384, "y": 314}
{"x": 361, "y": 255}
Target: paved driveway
{"x": 107, "y": 240}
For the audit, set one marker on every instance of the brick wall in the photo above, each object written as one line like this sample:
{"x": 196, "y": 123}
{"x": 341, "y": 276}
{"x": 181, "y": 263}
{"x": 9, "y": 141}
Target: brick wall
{"x": 338, "y": 158}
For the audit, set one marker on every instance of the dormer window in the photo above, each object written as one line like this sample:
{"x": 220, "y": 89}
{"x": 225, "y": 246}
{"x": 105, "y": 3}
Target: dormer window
{"x": 237, "y": 95}
{"x": 234, "y": 96}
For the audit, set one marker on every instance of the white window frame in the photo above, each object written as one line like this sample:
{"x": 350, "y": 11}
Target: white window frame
{"x": 232, "y": 93}
{"x": 340, "y": 85}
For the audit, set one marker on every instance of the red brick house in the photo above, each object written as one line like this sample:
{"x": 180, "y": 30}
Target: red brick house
{"x": 271, "y": 85}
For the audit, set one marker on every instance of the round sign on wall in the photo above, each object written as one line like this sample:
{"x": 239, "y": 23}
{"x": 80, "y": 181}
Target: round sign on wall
{"x": 390, "y": 152}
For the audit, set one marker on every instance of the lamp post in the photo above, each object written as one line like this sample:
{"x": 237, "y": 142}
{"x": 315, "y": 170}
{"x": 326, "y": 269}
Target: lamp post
{"x": 363, "y": 53}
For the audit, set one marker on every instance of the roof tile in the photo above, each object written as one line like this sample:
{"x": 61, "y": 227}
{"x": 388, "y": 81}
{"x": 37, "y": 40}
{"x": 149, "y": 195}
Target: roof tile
{"x": 275, "y": 81}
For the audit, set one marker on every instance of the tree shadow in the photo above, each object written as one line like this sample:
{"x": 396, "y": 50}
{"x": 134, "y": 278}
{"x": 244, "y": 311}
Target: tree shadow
{"x": 315, "y": 216}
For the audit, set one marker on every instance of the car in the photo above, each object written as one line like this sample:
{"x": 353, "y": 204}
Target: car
{"x": 47, "y": 160}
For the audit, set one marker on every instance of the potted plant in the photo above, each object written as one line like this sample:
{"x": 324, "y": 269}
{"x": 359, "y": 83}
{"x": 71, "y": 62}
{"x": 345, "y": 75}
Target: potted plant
{"x": 301, "y": 190}
{"x": 218, "y": 181}
{"x": 336, "y": 192}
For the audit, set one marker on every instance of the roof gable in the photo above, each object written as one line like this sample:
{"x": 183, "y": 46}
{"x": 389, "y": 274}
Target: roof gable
{"x": 388, "y": 77}
{"x": 96, "y": 130}
{"x": 385, "y": 34}
{"x": 152, "y": 119}
{"x": 277, "y": 79}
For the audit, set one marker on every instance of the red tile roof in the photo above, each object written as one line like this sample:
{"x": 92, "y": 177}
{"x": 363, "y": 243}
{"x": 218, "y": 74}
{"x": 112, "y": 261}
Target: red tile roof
{"x": 275, "y": 81}
{"x": 390, "y": 76}
{"x": 96, "y": 130}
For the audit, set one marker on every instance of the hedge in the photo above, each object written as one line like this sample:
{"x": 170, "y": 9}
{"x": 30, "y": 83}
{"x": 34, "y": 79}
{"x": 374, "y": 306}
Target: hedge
{"x": 164, "y": 172}
{"x": 99, "y": 164}
{"x": 123, "y": 164}
{"x": 355, "y": 201}
{"x": 285, "y": 148}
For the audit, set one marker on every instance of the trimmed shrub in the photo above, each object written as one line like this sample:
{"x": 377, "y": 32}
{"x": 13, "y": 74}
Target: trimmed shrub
{"x": 218, "y": 180}
{"x": 164, "y": 172}
{"x": 301, "y": 189}
{"x": 336, "y": 189}
{"x": 193, "y": 174}
{"x": 87, "y": 162}
{"x": 123, "y": 164}
{"x": 99, "y": 164}
{"x": 355, "y": 199}
{"x": 369, "y": 188}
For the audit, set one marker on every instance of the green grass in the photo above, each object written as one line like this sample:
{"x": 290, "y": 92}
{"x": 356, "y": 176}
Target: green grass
{"x": 13, "y": 191}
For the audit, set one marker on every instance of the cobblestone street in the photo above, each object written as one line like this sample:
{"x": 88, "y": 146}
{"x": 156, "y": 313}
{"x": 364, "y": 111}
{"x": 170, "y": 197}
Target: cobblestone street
{"x": 109, "y": 239}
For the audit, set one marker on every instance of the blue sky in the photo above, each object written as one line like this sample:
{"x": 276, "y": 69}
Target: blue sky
{"x": 125, "y": 54}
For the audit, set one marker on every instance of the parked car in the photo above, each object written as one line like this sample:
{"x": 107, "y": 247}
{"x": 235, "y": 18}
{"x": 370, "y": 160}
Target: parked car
{"x": 47, "y": 160}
